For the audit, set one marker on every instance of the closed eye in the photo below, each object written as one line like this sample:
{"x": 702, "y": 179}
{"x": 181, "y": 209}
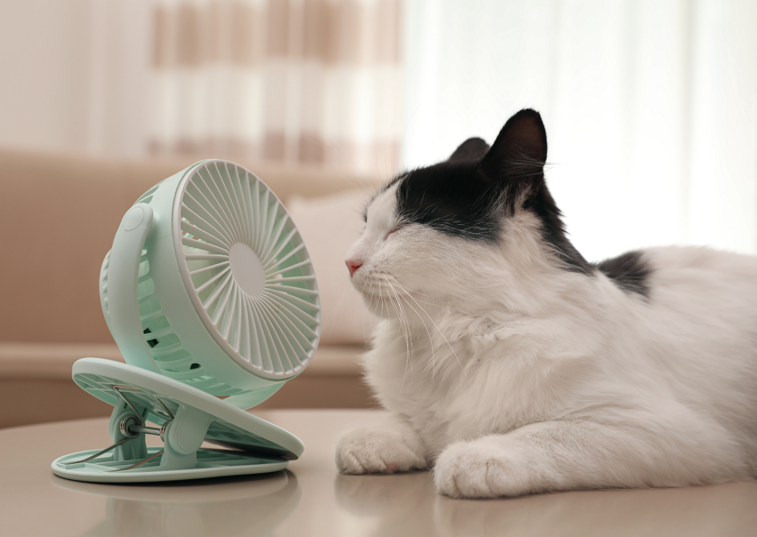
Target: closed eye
{"x": 397, "y": 226}
{"x": 393, "y": 230}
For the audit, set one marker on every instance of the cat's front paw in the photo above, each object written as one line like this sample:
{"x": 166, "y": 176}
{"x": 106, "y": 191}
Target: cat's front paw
{"x": 377, "y": 450}
{"x": 480, "y": 469}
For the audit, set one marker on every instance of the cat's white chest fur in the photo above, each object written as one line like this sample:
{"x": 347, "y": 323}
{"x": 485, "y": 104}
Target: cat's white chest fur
{"x": 449, "y": 390}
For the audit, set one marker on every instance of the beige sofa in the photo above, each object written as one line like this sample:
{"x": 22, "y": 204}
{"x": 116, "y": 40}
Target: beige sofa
{"x": 59, "y": 215}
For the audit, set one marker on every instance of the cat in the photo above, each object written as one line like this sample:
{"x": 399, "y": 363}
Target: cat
{"x": 510, "y": 365}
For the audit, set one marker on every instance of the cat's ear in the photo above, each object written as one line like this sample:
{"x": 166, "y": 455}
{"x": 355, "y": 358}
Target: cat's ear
{"x": 471, "y": 149}
{"x": 520, "y": 150}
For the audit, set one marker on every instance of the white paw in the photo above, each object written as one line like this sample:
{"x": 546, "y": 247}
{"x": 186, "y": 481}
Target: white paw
{"x": 479, "y": 470}
{"x": 374, "y": 450}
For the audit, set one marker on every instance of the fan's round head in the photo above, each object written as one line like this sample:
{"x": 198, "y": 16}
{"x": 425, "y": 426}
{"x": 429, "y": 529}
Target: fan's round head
{"x": 226, "y": 293}
{"x": 246, "y": 269}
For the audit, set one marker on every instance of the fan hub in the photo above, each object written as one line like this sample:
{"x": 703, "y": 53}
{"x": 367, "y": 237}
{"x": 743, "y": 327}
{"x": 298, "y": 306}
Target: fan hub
{"x": 247, "y": 269}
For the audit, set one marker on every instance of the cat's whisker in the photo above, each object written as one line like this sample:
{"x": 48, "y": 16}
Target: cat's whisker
{"x": 430, "y": 340}
{"x": 404, "y": 320}
{"x": 406, "y": 290}
{"x": 405, "y": 334}
{"x": 435, "y": 325}
{"x": 375, "y": 292}
{"x": 372, "y": 295}
{"x": 407, "y": 324}
{"x": 382, "y": 300}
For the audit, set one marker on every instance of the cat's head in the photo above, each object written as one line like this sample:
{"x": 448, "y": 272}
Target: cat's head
{"x": 463, "y": 230}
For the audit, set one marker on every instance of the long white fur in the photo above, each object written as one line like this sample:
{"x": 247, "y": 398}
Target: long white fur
{"x": 510, "y": 375}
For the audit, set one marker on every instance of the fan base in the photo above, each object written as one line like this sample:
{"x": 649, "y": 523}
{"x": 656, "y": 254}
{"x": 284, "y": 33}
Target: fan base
{"x": 210, "y": 463}
{"x": 184, "y": 418}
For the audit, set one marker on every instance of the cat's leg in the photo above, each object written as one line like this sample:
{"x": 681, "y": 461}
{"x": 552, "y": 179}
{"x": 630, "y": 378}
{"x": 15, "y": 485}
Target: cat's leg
{"x": 565, "y": 455}
{"x": 388, "y": 446}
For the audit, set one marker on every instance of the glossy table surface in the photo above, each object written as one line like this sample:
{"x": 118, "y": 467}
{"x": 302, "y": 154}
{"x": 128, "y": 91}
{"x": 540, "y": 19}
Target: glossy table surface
{"x": 312, "y": 499}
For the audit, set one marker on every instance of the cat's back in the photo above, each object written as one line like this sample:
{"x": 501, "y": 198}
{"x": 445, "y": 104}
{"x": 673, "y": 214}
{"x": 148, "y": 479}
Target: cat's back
{"x": 701, "y": 302}
{"x": 681, "y": 282}
{"x": 699, "y": 272}
{"x": 700, "y": 318}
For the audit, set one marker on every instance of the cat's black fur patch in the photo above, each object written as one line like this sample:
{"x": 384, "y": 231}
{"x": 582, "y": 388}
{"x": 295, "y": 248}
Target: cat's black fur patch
{"x": 553, "y": 230}
{"x": 470, "y": 149}
{"x": 451, "y": 197}
{"x": 470, "y": 195}
{"x": 384, "y": 188}
{"x": 629, "y": 271}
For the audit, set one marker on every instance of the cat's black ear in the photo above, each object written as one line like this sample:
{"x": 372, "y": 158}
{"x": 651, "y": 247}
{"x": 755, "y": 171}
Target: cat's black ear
{"x": 471, "y": 149}
{"x": 520, "y": 150}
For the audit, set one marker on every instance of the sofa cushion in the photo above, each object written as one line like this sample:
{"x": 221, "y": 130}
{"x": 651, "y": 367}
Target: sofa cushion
{"x": 329, "y": 225}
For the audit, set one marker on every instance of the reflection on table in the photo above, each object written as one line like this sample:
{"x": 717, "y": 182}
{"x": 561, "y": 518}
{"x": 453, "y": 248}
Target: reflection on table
{"x": 226, "y": 507}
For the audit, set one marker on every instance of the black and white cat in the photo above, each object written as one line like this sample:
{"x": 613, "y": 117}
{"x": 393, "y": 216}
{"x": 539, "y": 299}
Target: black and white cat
{"x": 512, "y": 365}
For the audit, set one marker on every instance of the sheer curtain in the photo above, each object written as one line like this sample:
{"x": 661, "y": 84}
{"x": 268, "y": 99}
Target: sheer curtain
{"x": 296, "y": 81}
{"x": 650, "y": 108}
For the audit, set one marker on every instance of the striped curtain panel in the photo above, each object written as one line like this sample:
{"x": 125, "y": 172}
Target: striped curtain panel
{"x": 292, "y": 81}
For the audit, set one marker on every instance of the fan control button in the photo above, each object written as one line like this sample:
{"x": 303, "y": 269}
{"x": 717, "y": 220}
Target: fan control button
{"x": 133, "y": 218}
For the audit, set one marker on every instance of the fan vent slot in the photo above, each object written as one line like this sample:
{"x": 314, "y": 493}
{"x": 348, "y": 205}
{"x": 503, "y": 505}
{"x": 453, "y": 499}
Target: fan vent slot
{"x": 176, "y": 359}
{"x": 145, "y": 287}
{"x": 147, "y": 196}
{"x": 149, "y": 306}
{"x": 157, "y": 326}
{"x": 165, "y": 345}
{"x": 104, "y": 287}
{"x": 168, "y": 343}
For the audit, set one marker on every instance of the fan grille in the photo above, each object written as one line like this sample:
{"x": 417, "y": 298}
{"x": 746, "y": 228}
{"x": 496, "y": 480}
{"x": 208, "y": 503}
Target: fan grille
{"x": 246, "y": 268}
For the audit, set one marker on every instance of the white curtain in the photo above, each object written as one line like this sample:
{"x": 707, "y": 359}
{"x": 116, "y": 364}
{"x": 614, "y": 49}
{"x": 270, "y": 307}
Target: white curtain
{"x": 650, "y": 108}
{"x": 118, "y": 75}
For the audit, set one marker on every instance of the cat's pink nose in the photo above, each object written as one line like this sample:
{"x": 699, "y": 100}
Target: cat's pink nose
{"x": 353, "y": 265}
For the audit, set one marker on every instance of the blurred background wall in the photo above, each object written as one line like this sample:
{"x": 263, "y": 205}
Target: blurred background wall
{"x": 650, "y": 108}
{"x": 650, "y": 105}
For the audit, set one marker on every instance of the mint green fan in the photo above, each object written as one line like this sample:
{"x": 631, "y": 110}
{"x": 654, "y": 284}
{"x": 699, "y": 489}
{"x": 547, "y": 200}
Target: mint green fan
{"x": 210, "y": 294}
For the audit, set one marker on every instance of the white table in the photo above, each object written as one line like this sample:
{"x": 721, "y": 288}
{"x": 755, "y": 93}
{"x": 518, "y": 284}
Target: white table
{"x": 312, "y": 499}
